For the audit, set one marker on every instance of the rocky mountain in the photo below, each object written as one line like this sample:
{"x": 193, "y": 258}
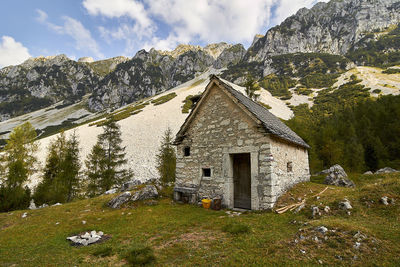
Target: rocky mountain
{"x": 308, "y": 51}
{"x": 40, "y": 82}
{"x": 332, "y": 27}
{"x": 149, "y": 73}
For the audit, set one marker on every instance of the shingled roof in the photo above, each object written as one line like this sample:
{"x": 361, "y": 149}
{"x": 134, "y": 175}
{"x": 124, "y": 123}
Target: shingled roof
{"x": 269, "y": 121}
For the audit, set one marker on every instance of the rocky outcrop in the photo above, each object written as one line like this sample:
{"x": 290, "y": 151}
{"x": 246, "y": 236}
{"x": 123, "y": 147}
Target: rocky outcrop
{"x": 332, "y": 27}
{"x": 231, "y": 55}
{"x": 147, "y": 192}
{"x": 337, "y": 176}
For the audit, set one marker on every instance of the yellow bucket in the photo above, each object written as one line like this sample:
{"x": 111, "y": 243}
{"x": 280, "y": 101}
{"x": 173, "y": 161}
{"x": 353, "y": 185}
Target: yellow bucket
{"x": 206, "y": 203}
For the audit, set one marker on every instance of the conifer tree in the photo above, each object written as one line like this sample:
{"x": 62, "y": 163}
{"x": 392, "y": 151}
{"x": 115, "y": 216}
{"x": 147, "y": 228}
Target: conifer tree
{"x": 18, "y": 162}
{"x": 105, "y": 163}
{"x": 166, "y": 159}
{"x": 61, "y": 173}
{"x": 251, "y": 86}
{"x": 94, "y": 170}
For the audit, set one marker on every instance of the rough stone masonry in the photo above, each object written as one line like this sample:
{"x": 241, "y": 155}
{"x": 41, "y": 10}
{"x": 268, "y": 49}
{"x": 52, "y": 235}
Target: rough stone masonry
{"x": 224, "y": 123}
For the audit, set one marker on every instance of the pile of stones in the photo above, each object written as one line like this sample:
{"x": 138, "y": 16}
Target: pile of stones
{"x": 86, "y": 239}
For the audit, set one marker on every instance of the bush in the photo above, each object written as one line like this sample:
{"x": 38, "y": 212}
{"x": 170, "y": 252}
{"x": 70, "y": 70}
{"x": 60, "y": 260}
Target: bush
{"x": 278, "y": 85}
{"x": 103, "y": 252}
{"x": 319, "y": 80}
{"x": 140, "y": 255}
{"x": 264, "y": 105}
{"x": 14, "y": 198}
{"x": 236, "y": 228}
{"x": 391, "y": 71}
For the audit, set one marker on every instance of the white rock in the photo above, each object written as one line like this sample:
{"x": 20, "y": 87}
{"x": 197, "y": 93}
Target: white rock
{"x": 74, "y": 239}
{"x": 93, "y": 233}
{"x": 322, "y": 229}
{"x": 32, "y": 205}
{"x": 327, "y": 209}
{"x": 384, "y": 200}
{"x": 86, "y": 235}
{"x": 57, "y": 204}
{"x": 357, "y": 245}
{"x": 83, "y": 222}
{"x": 111, "y": 191}
{"x": 24, "y": 215}
{"x": 345, "y": 204}
{"x": 100, "y": 233}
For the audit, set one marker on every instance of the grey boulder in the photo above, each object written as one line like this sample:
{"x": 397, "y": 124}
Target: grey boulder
{"x": 116, "y": 203}
{"x": 128, "y": 186}
{"x": 338, "y": 177}
{"x": 147, "y": 192}
{"x": 386, "y": 170}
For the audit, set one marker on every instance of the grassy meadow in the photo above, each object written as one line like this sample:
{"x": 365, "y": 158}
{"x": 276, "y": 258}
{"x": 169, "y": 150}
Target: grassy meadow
{"x": 170, "y": 234}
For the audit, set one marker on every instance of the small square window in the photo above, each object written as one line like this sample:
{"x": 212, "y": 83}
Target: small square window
{"x": 206, "y": 172}
{"x": 186, "y": 151}
{"x": 290, "y": 166}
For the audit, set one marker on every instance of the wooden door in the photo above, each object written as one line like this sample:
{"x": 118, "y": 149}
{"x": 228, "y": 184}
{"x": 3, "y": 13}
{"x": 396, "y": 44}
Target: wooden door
{"x": 242, "y": 181}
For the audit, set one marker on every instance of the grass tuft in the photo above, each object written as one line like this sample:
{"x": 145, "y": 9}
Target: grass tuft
{"x": 140, "y": 255}
{"x": 236, "y": 228}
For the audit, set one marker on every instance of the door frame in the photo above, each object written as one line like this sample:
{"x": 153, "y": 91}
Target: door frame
{"x": 227, "y": 170}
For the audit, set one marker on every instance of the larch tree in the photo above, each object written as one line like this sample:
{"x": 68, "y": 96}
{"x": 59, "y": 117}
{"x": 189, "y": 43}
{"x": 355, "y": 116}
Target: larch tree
{"x": 18, "y": 162}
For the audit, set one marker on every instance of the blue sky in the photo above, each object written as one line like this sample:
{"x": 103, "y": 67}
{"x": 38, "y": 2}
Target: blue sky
{"x": 107, "y": 28}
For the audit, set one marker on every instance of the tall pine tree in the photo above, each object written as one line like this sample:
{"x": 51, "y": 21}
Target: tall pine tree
{"x": 105, "y": 164}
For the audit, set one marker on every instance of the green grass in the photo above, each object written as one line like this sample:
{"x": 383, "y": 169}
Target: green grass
{"x": 264, "y": 105}
{"x": 122, "y": 114}
{"x": 179, "y": 234}
{"x": 163, "y": 99}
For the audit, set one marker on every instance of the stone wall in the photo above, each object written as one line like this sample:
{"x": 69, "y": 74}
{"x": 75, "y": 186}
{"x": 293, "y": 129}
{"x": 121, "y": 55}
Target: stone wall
{"x": 285, "y": 153}
{"x": 219, "y": 129}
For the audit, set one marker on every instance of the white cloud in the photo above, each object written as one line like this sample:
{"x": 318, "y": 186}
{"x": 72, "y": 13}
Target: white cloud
{"x": 132, "y": 9}
{"x": 73, "y": 28}
{"x": 190, "y": 21}
{"x": 12, "y": 52}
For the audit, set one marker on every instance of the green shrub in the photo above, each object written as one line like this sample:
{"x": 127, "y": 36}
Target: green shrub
{"x": 302, "y": 90}
{"x": 377, "y": 91}
{"x": 163, "y": 99}
{"x": 187, "y": 104}
{"x": 278, "y": 85}
{"x": 140, "y": 255}
{"x": 167, "y": 191}
{"x": 236, "y": 228}
{"x": 319, "y": 80}
{"x": 264, "y": 105}
{"x": 14, "y": 198}
{"x": 391, "y": 71}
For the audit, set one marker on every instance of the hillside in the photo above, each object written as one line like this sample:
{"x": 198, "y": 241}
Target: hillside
{"x": 178, "y": 234}
{"x": 142, "y": 132}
